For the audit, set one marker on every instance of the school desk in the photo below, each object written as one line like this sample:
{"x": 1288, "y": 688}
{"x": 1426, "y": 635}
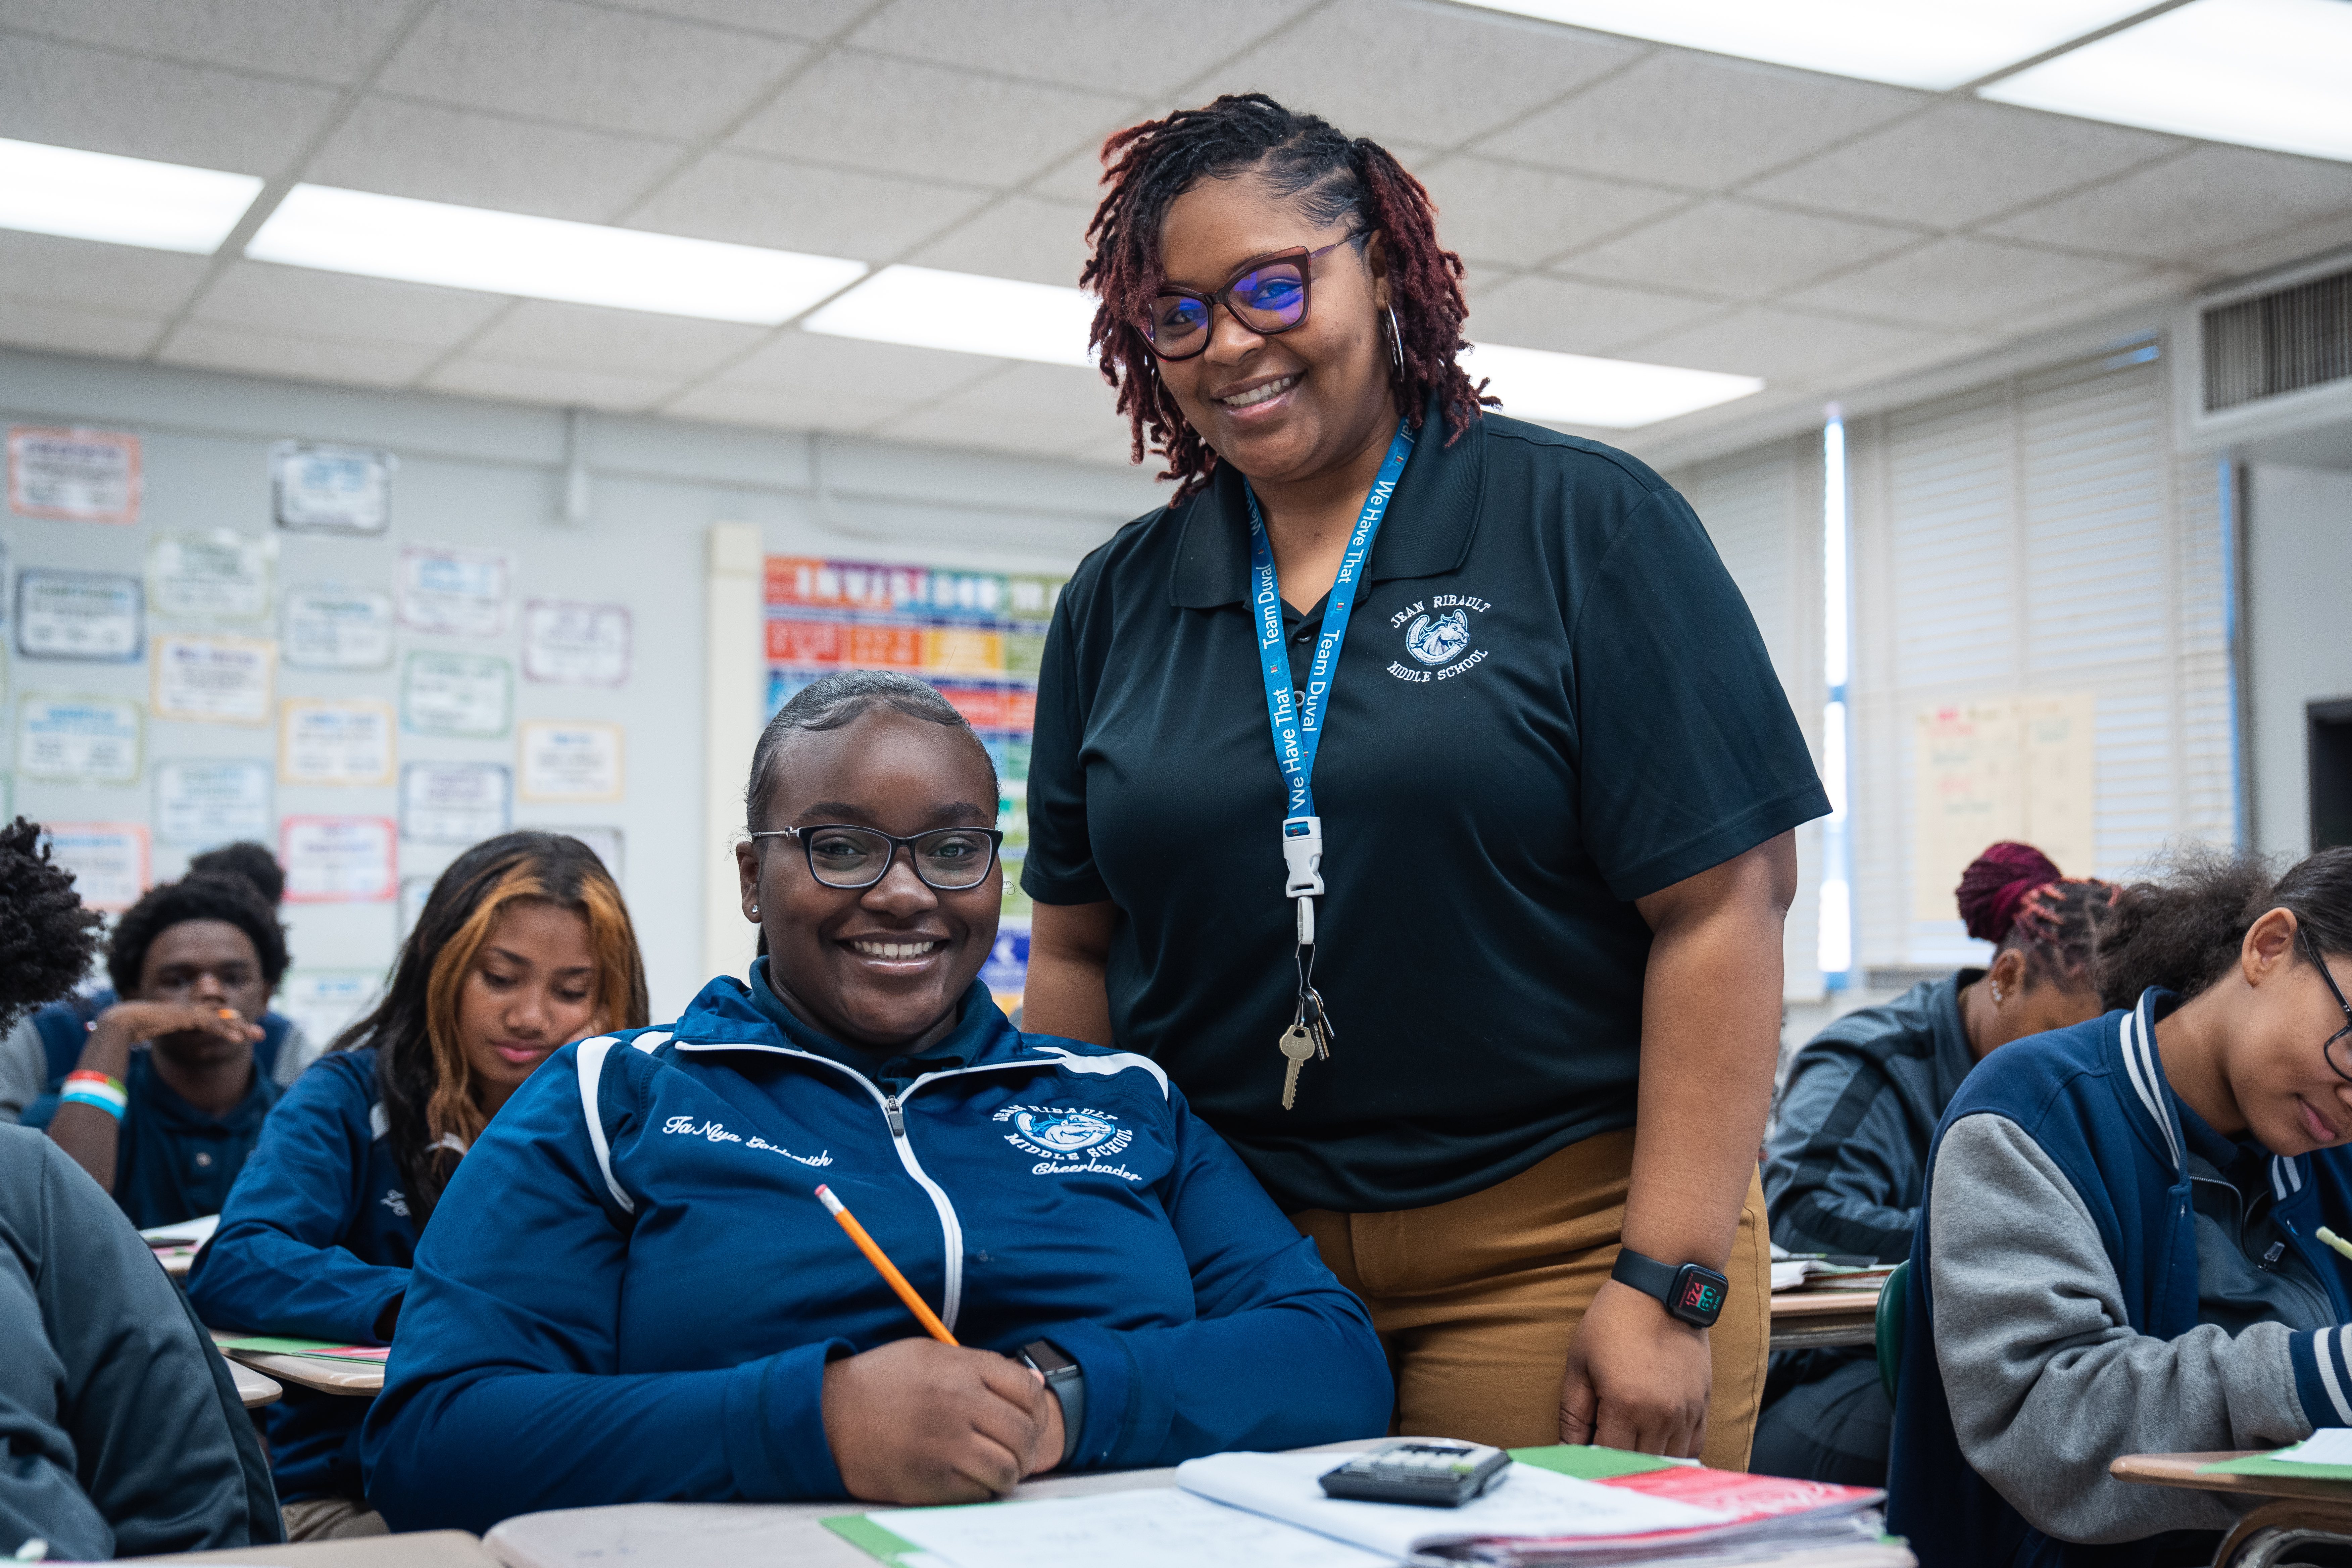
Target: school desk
{"x": 2306, "y": 1511}
{"x": 360, "y": 1379}
{"x": 252, "y": 1387}
{"x": 426, "y": 1549}
{"x": 1808, "y": 1319}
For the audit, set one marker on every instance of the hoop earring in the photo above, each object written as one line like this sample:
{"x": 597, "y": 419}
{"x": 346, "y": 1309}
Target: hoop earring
{"x": 1396, "y": 342}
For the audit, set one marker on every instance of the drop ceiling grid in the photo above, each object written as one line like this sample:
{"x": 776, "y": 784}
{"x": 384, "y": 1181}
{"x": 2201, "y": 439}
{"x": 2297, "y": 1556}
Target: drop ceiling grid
{"x": 1627, "y": 198}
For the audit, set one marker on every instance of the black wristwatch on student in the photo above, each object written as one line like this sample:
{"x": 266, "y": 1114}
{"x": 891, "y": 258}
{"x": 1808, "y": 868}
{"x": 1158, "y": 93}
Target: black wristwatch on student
{"x": 1066, "y": 1382}
{"x": 1692, "y": 1292}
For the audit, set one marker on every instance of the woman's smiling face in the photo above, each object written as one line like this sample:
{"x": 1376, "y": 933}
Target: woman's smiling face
{"x": 881, "y": 967}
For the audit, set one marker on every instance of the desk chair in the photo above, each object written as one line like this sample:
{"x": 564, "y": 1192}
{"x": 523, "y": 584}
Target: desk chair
{"x": 1893, "y": 1302}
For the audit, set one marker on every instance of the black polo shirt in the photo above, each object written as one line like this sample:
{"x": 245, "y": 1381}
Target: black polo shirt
{"x": 1551, "y": 701}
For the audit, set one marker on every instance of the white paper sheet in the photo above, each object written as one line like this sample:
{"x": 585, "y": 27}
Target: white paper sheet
{"x": 1159, "y": 1527}
{"x": 456, "y": 694}
{"x": 326, "y": 1002}
{"x": 604, "y": 841}
{"x": 571, "y": 762}
{"x": 580, "y": 645}
{"x": 214, "y": 576}
{"x": 331, "y": 490}
{"x": 84, "y": 475}
{"x": 460, "y": 591}
{"x": 108, "y": 861}
{"x": 214, "y": 680}
{"x": 2328, "y": 1445}
{"x": 78, "y": 614}
{"x": 1526, "y": 1502}
{"x": 337, "y": 628}
{"x": 454, "y": 803}
{"x": 205, "y": 802}
{"x": 189, "y": 1231}
{"x": 82, "y": 738}
{"x": 335, "y": 742}
{"x": 337, "y": 859}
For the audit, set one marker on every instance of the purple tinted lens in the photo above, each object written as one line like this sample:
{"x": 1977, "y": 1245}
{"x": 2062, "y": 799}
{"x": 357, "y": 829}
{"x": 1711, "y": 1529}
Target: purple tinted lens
{"x": 1273, "y": 296}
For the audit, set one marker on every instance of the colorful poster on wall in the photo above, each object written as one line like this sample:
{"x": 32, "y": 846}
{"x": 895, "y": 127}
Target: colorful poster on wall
{"x": 84, "y": 740}
{"x": 82, "y": 476}
{"x": 327, "y": 627}
{"x": 337, "y": 859}
{"x": 108, "y": 861}
{"x": 978, "y": 637}
{"x": 454, "y": 803}
{"x": 212, "y": 800}
{"x": 571, "y": 762}
{"x": 218, "y": 576}
{"x": 345, "y": 742}
{"x": 463, "y": 593}
{"x": 330, "y": 490}
{"x": 94, "y": 616}
{"x": 456, "y": 694}
{"x": 1994, "y": 768}
{"x": 213, "y": 680}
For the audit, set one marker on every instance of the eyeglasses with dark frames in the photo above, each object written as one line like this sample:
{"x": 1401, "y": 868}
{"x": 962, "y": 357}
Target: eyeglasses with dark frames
{"x": 952, "y": 859}
{"x": 2335, "y": 1047}
{"x": 1268, "y": 295}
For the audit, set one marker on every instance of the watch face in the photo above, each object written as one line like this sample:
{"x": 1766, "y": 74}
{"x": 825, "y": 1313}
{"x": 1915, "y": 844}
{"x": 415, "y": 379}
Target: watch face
{"x": 1704, "y": 1296}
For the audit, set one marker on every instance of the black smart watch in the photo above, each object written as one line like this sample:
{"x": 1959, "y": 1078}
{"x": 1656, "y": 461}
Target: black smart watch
{"x": 1066, "y": 1382}
{"x": 1693, "y": 1292}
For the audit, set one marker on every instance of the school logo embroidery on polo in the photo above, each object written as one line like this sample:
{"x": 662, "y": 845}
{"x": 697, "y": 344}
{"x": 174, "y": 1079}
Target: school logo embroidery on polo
{"x": 1068, "y": 1140}
{"x": 1438, "y": 637}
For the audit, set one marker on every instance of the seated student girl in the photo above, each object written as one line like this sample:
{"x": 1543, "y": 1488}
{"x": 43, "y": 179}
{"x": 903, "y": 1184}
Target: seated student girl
{"x": 1848, "y": 1156}
{"x": 166, "y": 1101}
{"x": 2116, "y": 1251}
{"x": 632, "y": 1292}
{"x": 523, "y": 946}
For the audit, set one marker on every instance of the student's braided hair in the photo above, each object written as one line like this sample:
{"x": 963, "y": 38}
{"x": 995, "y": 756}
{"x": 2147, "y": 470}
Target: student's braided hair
{"x": 1333, "y": 176}
{"x": 2184, "y": 929}
{"x": 2013, "y": 897}
{"x": 46, "y": 936}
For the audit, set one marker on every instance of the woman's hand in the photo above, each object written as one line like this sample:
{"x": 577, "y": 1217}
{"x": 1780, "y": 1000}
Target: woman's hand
{"x": 916, "y": 1422}
{"x": 1637, "y": 1379}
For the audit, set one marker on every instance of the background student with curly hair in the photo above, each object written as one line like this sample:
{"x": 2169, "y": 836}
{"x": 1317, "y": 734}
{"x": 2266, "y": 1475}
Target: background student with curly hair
{"x": 1848, "y": 1155}
{"x": 122, "y": 1431}
{"x": 524, "y": 945}
{"x": 1554, "y": 786}
{"x": 166, "y": 1101}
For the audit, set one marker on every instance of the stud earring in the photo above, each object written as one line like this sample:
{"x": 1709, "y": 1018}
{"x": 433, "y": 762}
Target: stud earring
{"x": 1996, "y": 991}
{"x": 755, "y": 909}
{"x": 1396, "y": 341}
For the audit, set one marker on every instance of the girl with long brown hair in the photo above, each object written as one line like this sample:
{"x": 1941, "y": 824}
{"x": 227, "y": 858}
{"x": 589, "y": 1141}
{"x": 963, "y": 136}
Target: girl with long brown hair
{"x": 524, "y": 946}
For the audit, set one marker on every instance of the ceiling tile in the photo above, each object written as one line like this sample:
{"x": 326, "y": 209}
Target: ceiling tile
{"x": 350, "y": 362}
{"x": 1020, "y": 236}
{"x": 1076, "y": 178}
{"x": 629, "y": 342}
{"x": 799, "y": 19}
{"x": 1787, "y": 345}
{"x": 1574, "y": 318}
{"x": 776, "y": 408}
{"x": 554, "y": 386}
{"x": 1418, "y": 73}
{"x": 486, "y": 160}
{"x": 752, "y": 200}
{"x": 810, "y": 364}
{"x": 1963, "y": 162}
{"x": 2278, "y": 249}
{"x": 299, "y": 301}
{"x": 1139, "y": 45}
{"x": 68, "y": 328}
{"x": 1961, "y": 282}
{"x": 1039, "y": 408}
{"x": 145, "y": 109}
{"x": 863, "y": 112}
{"x": 2215, "y": 199}
{"x": 111, "y": 277}
{"x": 617, "y": 71}
{"x": 1736, "y": 250}
{"x": 1699, "y": 121}
{"x": 325, "y": 40}
{"x": 2144, "y": 287}
{"x": 1520, "y": 216}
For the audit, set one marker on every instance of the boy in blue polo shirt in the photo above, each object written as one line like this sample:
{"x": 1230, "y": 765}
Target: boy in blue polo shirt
{"x": 166, "y": 1101}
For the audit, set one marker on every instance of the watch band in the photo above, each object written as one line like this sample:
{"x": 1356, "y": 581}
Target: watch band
{"x": 1692, "y": 1293}
{"x": 1645, "y": 1274}
{"x": 1066, "y": 1382}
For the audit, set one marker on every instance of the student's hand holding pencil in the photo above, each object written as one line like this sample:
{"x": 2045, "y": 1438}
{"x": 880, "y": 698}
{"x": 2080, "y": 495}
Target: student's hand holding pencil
{"x": 916, "y": 1422}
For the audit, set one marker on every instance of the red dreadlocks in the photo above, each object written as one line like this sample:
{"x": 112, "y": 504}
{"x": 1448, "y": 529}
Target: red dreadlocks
{"x": 1150, "y": 164}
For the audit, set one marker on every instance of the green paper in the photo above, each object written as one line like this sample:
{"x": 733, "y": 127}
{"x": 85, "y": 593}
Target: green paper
{"x": 1588, "y": 1464}
{"x": 269, "y": 1344}
{"x": 2266, "y": 1465}
{"x": 860, "y": 1530}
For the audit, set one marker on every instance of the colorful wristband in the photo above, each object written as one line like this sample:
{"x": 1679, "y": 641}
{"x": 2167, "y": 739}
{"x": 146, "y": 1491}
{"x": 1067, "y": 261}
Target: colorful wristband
{"x": 103, "y": 1090}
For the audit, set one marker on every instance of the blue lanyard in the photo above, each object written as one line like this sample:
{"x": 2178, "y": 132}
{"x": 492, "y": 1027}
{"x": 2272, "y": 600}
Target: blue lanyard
{"x": 1299, "y": 730}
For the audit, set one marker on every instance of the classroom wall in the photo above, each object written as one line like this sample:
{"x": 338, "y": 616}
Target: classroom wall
{"x": 493, "y": 476}
{"x": 2298, "y": 551}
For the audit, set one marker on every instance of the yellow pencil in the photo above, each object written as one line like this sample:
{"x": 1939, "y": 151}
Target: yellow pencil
{"x": 887, "y": 1269}
{"x": 2335, "y": 1241}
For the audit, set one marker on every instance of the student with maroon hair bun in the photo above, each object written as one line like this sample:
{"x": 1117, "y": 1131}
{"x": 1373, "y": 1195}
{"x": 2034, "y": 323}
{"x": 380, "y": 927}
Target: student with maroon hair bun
{"x": 1524, "y": 828}
{"x": 1848, "y": 1157}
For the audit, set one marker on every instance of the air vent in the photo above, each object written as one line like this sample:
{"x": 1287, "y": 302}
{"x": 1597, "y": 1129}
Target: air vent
{"x": 2278, "y": 342}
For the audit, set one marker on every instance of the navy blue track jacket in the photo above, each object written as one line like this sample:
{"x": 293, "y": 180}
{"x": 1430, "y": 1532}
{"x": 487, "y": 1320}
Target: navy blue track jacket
{"x": 629, "y": 1292}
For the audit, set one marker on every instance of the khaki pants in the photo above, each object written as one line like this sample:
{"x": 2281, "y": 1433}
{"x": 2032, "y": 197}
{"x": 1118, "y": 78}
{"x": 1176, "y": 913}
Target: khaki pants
{"x": 1476, "y": 1300}
{"x": 331, "y": 1519}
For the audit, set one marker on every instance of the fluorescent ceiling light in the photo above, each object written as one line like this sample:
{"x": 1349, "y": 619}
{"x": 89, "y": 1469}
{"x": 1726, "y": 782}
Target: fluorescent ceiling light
{"x": 2261, "y": 73}
{"x": 544, "y": 258}
{"x": 122, "y": 200}
{"x": 1611, "y": 393}
{"x": 964, "y": 312}
{"x": 1931, "y": 44}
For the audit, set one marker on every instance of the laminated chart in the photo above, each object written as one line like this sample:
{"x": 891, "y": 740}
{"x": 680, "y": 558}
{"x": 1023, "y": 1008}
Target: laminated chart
{"x": 978, "y": 637}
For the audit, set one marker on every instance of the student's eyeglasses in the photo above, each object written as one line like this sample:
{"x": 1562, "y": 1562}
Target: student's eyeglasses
{"x": 1268, "y": 295}
{"x": 951, "y": 859}
{"x": 2338, "y": 1046}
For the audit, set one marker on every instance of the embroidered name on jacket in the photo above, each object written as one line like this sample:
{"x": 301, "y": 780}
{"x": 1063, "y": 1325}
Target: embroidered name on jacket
{"x": 716, "y": 1132}
{"x": 1068, "y": 1140}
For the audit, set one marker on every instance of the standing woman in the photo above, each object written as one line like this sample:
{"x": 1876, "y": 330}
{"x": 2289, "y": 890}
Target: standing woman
{"x": 1542, "y": 849}
{"x": 523, "y": 946}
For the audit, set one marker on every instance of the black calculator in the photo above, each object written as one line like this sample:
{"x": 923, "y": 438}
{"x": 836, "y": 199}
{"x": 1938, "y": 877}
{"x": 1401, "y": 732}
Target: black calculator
{"x": 1429, "y": 1472}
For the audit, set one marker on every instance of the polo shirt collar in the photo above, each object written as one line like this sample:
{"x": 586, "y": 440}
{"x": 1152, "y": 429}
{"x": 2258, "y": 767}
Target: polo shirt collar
{"x": 1430, "y": 524}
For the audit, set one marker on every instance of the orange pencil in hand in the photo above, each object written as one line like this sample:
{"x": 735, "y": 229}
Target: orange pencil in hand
{"x": 883, "y": 1265}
